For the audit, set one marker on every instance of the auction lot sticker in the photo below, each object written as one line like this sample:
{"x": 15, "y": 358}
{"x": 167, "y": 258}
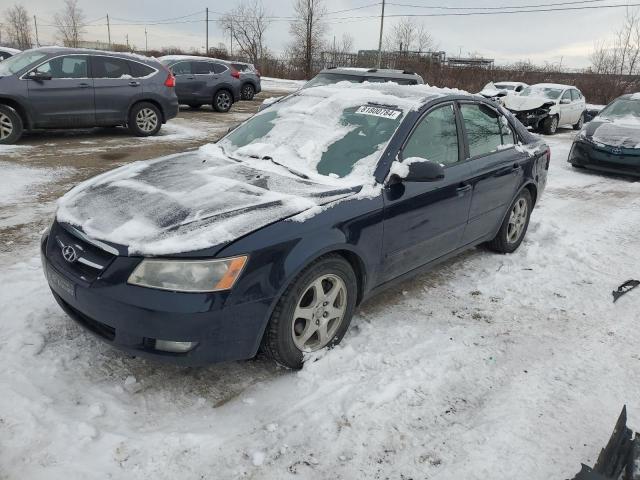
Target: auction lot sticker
{"x": 379, "y": 112}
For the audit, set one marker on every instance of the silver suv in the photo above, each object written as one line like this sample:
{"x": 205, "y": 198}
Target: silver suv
{"x": 360, "y": 75}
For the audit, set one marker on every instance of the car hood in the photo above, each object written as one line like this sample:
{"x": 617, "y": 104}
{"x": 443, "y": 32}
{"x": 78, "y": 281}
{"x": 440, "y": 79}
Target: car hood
{"x": 622, "y": 133}
{"x": 188, "y": 202}
{"x": 518, "y": 103}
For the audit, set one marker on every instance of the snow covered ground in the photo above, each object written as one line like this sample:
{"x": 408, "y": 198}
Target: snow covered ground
{"x": 280, "y": 85}
{"x": 490, "y": 367}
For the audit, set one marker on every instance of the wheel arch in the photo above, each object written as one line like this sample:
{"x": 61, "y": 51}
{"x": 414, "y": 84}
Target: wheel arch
{"x": 155, "y": 103}
{"x": 20, "y": 109}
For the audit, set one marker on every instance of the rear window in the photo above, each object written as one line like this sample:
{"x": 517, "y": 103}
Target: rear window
{"x": 138, "y": 70}
{"x": 399, "y": 81}
{"x": 107, "y": 67}
{"x": 241, "y": 67}
{"x": 219, "y": 68}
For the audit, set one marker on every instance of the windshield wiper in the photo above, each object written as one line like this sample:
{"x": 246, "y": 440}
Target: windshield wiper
{"x": 289, "y": 169}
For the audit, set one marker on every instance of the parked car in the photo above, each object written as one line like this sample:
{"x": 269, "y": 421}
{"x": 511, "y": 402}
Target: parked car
{"x": 497, "y": 91}
{"x": 547, "y": 106}
{"x": 204, "y": 81}
{"x": 273, "y": 236}
{"x": 611, "y": 141}
{"x": 250, "y": 79}
{"x": 6, "y": 52}
{"x": 58, "y": 87}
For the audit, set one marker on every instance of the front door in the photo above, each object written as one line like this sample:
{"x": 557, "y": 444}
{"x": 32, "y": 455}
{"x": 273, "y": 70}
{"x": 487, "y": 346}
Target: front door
{"x": 496, "y": 168}
{"x": 115, "y": 88}
{"x": 67, "y": 98}
{"x": 566, "y": 109}
{"x": 425, "y": 220}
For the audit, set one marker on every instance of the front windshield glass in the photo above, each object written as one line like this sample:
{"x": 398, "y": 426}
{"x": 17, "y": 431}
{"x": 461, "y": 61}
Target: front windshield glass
{"x": 621, "y": 108}
{"x": 317, "y": 135}
{"x": 19, "y": 61}
{"x": 539, "y": 91}
{"x": 502, "y": 86}
{"x": 331, "y": 78}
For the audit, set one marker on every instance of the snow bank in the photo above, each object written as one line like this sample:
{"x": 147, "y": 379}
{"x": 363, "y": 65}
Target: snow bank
{"x": 280, "y": 85}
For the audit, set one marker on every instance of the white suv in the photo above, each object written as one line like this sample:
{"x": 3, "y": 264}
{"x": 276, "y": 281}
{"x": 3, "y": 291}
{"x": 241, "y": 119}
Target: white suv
{"x": 546, "y": 106}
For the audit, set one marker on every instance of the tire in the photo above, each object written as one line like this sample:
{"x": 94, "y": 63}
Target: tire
{"x": 195, "y": 106}
{"x": 145, "y": 119}
{"x": 580, "y": 124}
{"x": 11, "y": 126}
{"x": 222, "y": 101}
{"x": 511, "y": 234}
{"x": 248, "y": 92}
{"x": 285, "y": 339}
{"x": 550, "y": 125}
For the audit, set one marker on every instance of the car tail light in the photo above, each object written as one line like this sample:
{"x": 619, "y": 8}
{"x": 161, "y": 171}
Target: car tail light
{"x": 170, "y": 81}
{"x": 235, "y": 73}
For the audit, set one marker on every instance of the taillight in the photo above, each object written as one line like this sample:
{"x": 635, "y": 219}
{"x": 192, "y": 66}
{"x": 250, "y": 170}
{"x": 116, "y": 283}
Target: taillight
{"x": 235, "y": 73}
{"x": 170, "y": 81}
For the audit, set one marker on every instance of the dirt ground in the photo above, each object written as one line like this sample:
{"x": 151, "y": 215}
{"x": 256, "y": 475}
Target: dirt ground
{"x": 71, "y": 156}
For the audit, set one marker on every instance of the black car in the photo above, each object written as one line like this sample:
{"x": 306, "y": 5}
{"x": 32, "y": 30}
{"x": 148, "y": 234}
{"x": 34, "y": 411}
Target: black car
{"x": 205, "y": 81}
{"x": 611, "y": 141}
{"x": 272, "y": 237}
{"x": 58, "y": 87}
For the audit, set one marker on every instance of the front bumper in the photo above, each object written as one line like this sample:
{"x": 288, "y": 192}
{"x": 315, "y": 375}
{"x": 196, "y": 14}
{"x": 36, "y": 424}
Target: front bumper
{"x": 132, "y": 318}
{"x": 530, "y": 118}
{"x": 584, "y": 154}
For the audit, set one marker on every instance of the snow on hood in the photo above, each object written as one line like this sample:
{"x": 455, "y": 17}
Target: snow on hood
{"x": 615, "y": 132}
{"x": 187, "y": 202}
{"x": 519, "y": 103}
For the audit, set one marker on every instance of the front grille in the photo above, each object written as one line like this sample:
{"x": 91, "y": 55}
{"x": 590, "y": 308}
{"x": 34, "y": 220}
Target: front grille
{"x": 90, "y": 260}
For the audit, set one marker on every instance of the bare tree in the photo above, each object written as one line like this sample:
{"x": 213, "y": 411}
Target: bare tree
{"x": 308, "y": 31}
{"x": 622, "y": 56}
{"x": 406, "y": 36}
{"x": 19, "y": 27}
{"x": 248, "y": 23}
{"x": 70, "y": 23}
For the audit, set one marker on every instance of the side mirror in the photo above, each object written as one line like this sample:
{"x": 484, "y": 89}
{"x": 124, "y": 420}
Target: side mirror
{"x": 417, "y": 170}
{"x": 565, "y": 101}
{"x": 39, "y": 76}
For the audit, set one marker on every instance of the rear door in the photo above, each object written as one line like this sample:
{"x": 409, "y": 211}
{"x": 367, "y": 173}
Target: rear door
{"x": 426, "y": 220}
{"x": 115, "y": 88}
{"x": 497, "y": 167}
{"x": 205, "y": 77}
{"x": 67, "y": 99}
{"x": 578, "y": 103}
{"x": 184, "y": 81}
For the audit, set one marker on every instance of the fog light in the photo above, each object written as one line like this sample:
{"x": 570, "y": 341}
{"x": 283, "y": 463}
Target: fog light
{"x": 175, "y": 347}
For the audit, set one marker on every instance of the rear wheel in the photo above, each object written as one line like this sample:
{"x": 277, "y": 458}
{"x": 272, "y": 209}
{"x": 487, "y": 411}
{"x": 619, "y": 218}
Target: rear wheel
{"x": 578, "y": 126}
{"x": 11, "y": 127}
{"x": 248, "y": 92}
{"x": 514, "y": 227}
{"x": 550, "y": 125}
{"x": 222, "y": 101}
{"x": 144, "y": 119}
{"x": 313, "y": 313}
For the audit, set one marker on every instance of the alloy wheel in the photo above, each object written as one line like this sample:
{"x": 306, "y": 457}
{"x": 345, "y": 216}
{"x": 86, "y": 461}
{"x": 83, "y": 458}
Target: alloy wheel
{"x": 247, "y": 92}
{"x": 223, "y": 101}
{"x": 554, "y": 125}
{"x": 147, "y": 120}
{"x": 6, "y": 126}
{"x": 319, "y": 313}
{"x": 517, "y": 220}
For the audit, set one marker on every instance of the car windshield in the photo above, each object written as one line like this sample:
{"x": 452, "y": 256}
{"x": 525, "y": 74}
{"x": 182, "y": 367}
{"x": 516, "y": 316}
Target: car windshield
{"x": 502, "y": 86}
{"x": 331, "y": 78}
{"x": 551, "y": 93}
{"x": 317, "y": 136}
{"x": 19, "y": 61}
{"x": 621, "y": 108}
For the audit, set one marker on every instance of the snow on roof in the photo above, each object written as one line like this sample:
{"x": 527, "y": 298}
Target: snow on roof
{"x": 171, "y": 58}
{"x": 514, "y": 84}
{"x": 10, "y": 50}
{"x": 131, "y": 55}
{"x": 551, "y": 85}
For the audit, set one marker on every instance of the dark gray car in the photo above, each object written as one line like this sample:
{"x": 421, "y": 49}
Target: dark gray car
{"x": 249, "y": 78}
{"x": 203, "y": 80}
{"x": 75, "y": 88}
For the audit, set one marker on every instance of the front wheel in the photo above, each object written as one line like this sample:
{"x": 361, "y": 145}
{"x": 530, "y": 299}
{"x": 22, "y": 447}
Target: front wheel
{"x": 144, "y": 119}
{"x": 313, "y": 313}
{"x": 222, "y": 101}
{"x": 514, "y": 227}
{"x": 550, "y": 125}
{"x": 10, "y": 125}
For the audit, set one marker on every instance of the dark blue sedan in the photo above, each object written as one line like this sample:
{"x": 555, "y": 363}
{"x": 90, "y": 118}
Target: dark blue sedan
{"x": 270, "y": 238}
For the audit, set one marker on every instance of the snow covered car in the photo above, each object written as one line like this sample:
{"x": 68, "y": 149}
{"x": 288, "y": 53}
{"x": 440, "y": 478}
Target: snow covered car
{"x": 6, "y": 52}
{"x": 496, "y": 91}
{"x": 271, "y": 237}
{"x": 547, "y": 106}
{"x": 611, "y": 141}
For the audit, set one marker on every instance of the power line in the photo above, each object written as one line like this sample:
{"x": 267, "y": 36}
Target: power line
{"x": 509, "y": 7}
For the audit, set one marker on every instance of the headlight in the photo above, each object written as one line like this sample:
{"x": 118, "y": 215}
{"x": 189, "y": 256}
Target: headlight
{"x": 188, "y": 275}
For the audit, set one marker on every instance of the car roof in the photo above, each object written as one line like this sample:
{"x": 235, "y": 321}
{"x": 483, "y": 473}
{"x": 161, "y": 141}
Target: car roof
{"x": 372, "y": 72}
{"x": 10, "y": 50}
{"x": 553, "y": 85}
{"x": 515, "y": 84}
{"x": 195, "y": 58}
{"x": 89, "y": 51}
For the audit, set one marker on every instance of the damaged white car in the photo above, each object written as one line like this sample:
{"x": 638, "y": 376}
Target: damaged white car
{"x": 498, "y": 90}
{"x": 546, "y": 106}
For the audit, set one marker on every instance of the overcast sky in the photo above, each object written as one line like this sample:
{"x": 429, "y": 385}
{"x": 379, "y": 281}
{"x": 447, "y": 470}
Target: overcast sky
{"x": 539, "y": 37}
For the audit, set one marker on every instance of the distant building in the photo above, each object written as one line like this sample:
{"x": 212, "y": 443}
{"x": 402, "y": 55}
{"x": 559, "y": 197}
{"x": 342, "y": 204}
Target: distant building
{"x": 470, "y": 62}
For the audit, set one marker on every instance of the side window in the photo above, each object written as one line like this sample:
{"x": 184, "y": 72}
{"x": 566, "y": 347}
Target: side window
{"x": 483, "y": 128}
{"x": 575, "y": 95}
{"x": 435, "y": 138}
{"x": 138, "y": 70}
{"x": 567, "y": 95}
{"x": 107, "y": 67}
{"x": 219, "y": 68}
{"x": 66, "y": 67}
{"x": 201, "y": 68}
{"x": 181, "y": 68}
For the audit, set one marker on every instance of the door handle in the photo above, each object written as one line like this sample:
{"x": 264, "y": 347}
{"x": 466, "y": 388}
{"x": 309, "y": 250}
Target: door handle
{"x": 84, "y": 85}
{"x": 463, "y": 188}
{"x": 190, "y": 78}
{"x": 516, "y": 168}
{"x": 134, "y": 84}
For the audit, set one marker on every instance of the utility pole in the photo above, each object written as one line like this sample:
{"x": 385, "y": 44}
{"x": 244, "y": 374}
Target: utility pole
{"x": 380, "y": 41}
{"x": 35, "y": 24}
{"x": 127, "y": 36}
{"x": 109, "y": 29}
{"x": 231, "y": 44}
{"x": 207, "y": 22}
{"x": 146, "y": 42}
